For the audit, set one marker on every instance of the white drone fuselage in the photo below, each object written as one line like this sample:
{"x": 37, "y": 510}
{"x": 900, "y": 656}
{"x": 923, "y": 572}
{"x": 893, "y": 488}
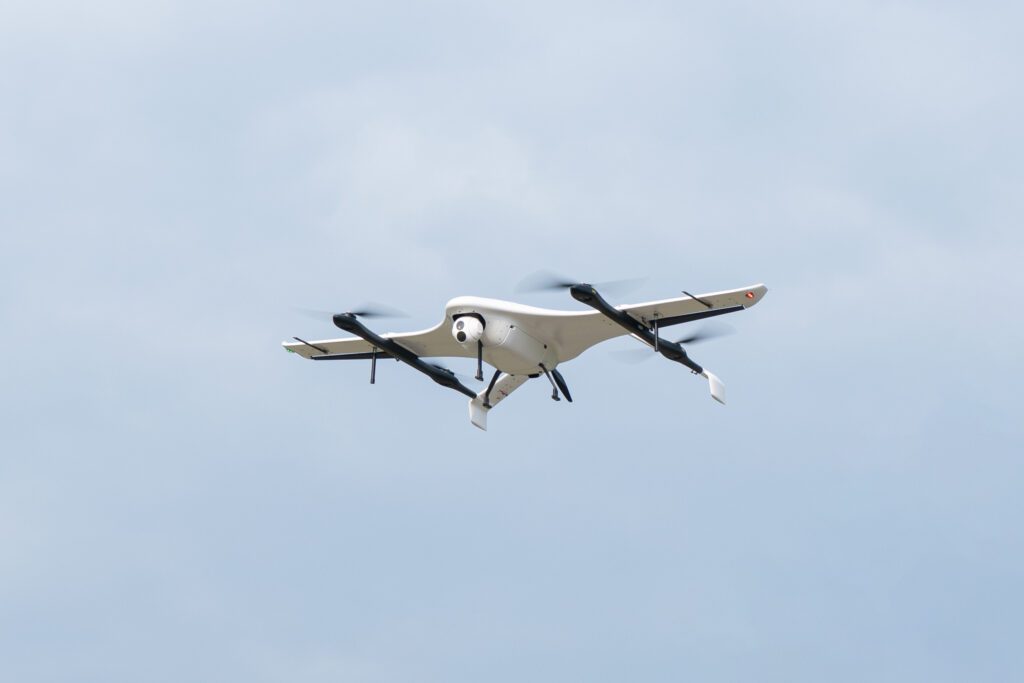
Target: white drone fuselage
{"x": 510, "y": 337}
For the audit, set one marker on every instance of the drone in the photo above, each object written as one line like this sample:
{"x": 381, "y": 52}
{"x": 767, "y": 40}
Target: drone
{"x": 524, "y": 342}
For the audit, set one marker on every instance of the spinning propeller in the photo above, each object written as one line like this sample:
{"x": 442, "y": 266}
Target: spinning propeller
{"x": 546, "y": 281}
{"x": 370, "y": 310}
{"x": 698, "y": 336}
{"x": 706, "y": 332}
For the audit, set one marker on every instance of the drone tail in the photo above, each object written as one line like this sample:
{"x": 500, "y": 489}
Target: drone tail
{"x": 716, "y": 386}
{"x": 500, "y": 387}
{"x": 478, "y": 414}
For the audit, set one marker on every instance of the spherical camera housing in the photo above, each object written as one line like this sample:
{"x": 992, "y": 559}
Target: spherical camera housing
{"x": 467, "y": 330}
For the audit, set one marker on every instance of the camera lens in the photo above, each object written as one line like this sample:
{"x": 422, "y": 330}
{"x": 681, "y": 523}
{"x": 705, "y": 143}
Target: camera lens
{"x": 461, "y": 336}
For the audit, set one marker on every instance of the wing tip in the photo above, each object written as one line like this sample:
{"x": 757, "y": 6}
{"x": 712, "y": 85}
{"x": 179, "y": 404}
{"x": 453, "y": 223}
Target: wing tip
{"x": 754, "y": 294}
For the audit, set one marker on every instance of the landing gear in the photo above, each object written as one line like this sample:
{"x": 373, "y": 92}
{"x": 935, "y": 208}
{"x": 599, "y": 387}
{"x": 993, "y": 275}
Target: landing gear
{"x": 560, "y": 381}
{"x": 557, "y": 382}
{"x": 479, "y": 361}
{"x": 554, "y": 387}
{"x": 490, "y": 387}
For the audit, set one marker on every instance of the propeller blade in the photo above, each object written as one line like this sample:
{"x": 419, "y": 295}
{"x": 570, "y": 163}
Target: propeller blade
{"x": 374, "y": 310}
{"x": 546, "y": 281}
{"x": 705, "y": 333}
{"x": 620, "y": 286}
{"x": 634, "y": 356}
{"x": 370, "y": 310}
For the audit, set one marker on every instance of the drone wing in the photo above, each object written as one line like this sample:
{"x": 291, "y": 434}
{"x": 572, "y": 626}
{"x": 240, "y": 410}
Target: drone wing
{"x": 695, "y": 307}
{"x": 576, "y": 332}
{"x": 435, "y": 342}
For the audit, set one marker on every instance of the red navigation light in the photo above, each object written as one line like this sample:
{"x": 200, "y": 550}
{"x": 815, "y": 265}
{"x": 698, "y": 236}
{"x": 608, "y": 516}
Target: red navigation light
{"x": 750, "y": 295}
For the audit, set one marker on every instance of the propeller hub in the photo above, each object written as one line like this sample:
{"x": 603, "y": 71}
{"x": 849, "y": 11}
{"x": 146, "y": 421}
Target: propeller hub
{"x": 345, "y": 321}
{"x": 582, "y": 292}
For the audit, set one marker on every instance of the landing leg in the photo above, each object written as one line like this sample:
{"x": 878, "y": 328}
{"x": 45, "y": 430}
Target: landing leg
{"x": 490, "y": 387}
{"x": 479, "y": 361}
{"x": 560, "y": 381}
{"x": 554, "y": 387}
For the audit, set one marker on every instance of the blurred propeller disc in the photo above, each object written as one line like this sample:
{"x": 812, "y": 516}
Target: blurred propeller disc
{"x": 709, "y": 331}
{"x": 546, "y": 281}
{"x": 706, "y": 332}
{"x": 370, "y": 310}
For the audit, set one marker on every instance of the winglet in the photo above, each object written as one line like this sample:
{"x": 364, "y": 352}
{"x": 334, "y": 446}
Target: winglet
{"x": 478, "y": 413}
{"x": 497, "y": 392}
{"x": 716, "y": 386}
